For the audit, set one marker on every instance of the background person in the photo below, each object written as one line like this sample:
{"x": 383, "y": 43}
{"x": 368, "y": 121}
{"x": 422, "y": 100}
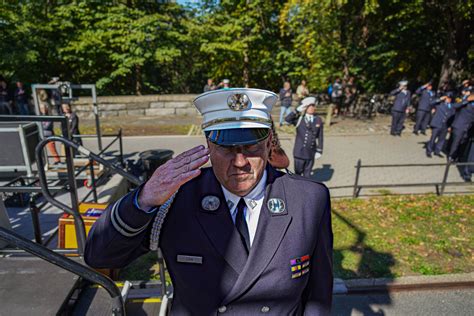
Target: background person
{"x": 5, "y": 107}
{"x": 73, "y": 121}
{"x": 55, "y": 97}
{"x": 350, "y": 93}
{"x": 463, "y": 120}
{"x": 439, "y": 125}
{"x": 425, "y": 105}
{"x": 400, "y": 107}
{"x": 286, "y": 99}
{"x": 336, "y": 96}
{"x": 224, "y": 85}
{"x": 21, "y": 99}
{"x": 309, "y": 136}
{"x": 230, "y": 231}
{"x": 48, "y": 130}
{"x": 209, "y": 85}
{"x": 302, "y": 91}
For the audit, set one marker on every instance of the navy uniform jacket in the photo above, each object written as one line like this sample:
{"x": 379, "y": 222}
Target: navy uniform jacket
{"x": 464, "y": 115}
{"x": 309, "y": 136}
{"x": 226, "y": 280}
{"x": 444, "y": 112}
{"x": 402, "y": 100}
{"x": 426, "y": 99}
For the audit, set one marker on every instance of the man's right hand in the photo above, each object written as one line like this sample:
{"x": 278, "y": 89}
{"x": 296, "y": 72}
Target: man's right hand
{"x": 169, "y": 177}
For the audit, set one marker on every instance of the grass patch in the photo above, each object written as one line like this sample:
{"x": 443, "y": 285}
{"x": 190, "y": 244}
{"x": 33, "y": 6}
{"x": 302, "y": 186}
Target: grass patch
{"x": 387, "y": 236}
{"x": 403, "y": 235}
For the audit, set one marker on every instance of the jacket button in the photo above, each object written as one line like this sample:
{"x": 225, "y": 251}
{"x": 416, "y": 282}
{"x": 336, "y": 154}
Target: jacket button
{"x": 265, "y": 309}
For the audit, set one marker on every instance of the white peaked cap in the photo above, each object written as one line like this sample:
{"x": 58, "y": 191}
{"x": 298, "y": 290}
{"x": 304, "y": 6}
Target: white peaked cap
{"x": 235, "y": 108}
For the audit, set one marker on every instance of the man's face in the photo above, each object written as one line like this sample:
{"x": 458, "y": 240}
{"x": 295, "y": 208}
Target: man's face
{"x": 209, "y": 82}
{"x": 239, "y": 168}
{"x": 310, "y": 109}
{"x": 303, "y": 83}
{"x": 66, "y": 108}
{"x": 43, "y": 109}
{"x": 286, "y": 86}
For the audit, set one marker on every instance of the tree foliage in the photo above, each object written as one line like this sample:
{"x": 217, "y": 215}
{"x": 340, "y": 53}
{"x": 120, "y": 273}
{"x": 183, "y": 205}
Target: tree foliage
{"x": 133, "y": 47}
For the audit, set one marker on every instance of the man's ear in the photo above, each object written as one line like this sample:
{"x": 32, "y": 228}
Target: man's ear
{"x": 269, "y": 140}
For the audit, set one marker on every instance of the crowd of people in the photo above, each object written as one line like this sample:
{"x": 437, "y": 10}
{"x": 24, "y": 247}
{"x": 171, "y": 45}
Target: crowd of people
{"x": 448, "y": 111}
{"x": 210, "y": 86}
{"x": 13, "y": 103}
{"x": 52, "y": 103}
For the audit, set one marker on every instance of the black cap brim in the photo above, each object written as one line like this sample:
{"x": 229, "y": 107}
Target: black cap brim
{"x": 237, "y": 136}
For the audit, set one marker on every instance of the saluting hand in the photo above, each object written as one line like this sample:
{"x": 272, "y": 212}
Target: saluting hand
{"x": 169, "y": 177}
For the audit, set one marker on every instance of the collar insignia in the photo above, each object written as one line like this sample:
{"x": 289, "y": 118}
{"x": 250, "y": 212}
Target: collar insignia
{"x": 238, "y": 102}
{"x": 252, "y": 204}
{"x": 276, "y": 206}
{"x": 230, "y": 204}
{"x": 210, "y": 203}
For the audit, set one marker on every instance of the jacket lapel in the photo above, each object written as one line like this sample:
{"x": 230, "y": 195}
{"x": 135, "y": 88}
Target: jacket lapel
{"x": 219, "y": 227}
{"x": 271, "y": 229}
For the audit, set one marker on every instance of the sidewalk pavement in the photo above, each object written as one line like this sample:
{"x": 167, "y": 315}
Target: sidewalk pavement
{"x": 337, "y": 166}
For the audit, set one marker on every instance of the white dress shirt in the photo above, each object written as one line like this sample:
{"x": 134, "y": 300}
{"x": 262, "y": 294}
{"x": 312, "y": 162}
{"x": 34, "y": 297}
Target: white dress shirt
{"x": 253, "y": 202}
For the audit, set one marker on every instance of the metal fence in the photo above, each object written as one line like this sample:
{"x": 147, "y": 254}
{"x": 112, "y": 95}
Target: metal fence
{"x": 439, "y": 186}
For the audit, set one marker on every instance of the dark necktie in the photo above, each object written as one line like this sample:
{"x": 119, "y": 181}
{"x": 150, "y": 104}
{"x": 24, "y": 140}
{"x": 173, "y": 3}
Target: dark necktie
{"x": 241, "y": 225}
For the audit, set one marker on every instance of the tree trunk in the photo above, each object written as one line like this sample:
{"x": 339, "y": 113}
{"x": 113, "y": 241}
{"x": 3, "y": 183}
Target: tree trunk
{"x": 138, "y": 80}
{"x": 458, "y": 42}
{"x": 245, "y": 73}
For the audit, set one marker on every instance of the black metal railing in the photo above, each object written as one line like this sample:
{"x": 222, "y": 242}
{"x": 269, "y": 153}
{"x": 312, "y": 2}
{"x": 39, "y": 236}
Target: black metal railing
{"x": 74, "y": 209}
{"x": 439, "y": 186}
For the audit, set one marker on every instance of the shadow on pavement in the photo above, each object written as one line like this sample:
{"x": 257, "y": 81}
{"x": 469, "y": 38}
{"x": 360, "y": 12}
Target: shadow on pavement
{"x": 371, "y": 263}
{"x": 323, "y": 174}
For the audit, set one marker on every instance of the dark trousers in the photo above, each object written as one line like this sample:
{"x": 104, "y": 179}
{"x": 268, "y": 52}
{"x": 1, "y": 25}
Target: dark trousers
{"x": 458, "y": 136}
{"x": 436, "y": 142}
{"x": 422, "y": 120}
{"x": 303, "y": 167}
{"x": 468, "y": 170}
{"x": 398, "y": 118}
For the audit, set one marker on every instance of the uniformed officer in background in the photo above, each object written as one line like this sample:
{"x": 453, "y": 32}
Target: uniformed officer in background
{"x": 239, "y": 238}
{"x": 425, "y": 105}
{"x": 463, "y": 120}
{"x": 309, "y": 136}
{"x": 400, "y": 107}
{"x": 439, "y": 124}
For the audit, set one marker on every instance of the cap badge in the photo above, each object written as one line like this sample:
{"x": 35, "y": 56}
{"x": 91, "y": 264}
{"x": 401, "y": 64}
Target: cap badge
{"x": 238, "y": 102}
{"x": 276, "y": 206}
{"x": 210, "y": 203}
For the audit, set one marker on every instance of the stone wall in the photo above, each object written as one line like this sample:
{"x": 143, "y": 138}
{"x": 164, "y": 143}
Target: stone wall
{"x": 149, "y": 105}
{"x": 162, "y": 105}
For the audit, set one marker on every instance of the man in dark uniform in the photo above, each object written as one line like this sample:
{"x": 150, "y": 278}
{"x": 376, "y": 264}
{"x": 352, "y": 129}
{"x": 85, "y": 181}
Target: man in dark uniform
{"x": 439, "y": 125}
{"x": 463, "y": 120}
{"x": 237, "y": 238}
{"x": 400, "y": 107}
{"x": 309, "y": 136}
{"x": 425, "y": 105}
{"x": 467, "y": 155}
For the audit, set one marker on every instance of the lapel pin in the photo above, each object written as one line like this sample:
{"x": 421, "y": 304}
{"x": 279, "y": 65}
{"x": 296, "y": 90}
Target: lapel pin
{"x": 210, "y": 203}
{"x": 252, "y": 204}
{"x": 276, "y": 206}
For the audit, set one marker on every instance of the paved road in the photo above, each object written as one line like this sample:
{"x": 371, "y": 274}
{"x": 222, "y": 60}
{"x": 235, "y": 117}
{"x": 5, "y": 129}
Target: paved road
{"x": 419, "y": 303}
{"x": 336, "y": 167}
